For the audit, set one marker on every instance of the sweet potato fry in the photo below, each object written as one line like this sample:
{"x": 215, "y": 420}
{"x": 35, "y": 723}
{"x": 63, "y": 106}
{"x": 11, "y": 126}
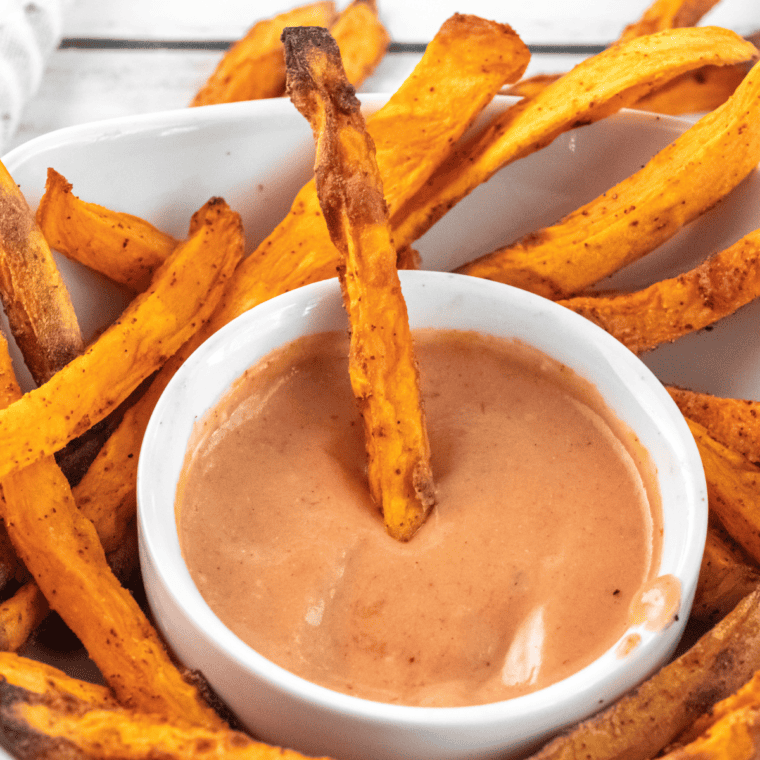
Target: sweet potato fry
{"x": 678, "y": 184}
{"x": 413, "y": 132}
{"x": 362, "y": 40}
{"x": 55, "y": 722}
{"x": 667, "y": 14}
{"x": 382, "y": 361}
{"x": 20, "y": 615}
{"x": 734, "y": 737}
{"x": 733, "y": 485}
{"x": 669, "y": 309}
{"x": 46, "y": 681}
{"x": 121, "y": 246}
{"x": 726, "y": 576}
{"x": 695, "y": 92}
{"x": 40, "y": 313}
{"x": 647, "y": 719}
{"x": 182, "y": 295}
{"x": 596, "y": 88}
{"x": 61, "y": 550}
{"x": 254, "y": 67}
{"x": 733, "y": 422}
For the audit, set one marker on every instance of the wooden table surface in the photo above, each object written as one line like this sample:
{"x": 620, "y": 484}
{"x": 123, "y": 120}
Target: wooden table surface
{"x": 124, "y": 57}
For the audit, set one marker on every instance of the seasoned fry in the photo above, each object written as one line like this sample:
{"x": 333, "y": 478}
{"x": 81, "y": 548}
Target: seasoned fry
{"x": 382, "y": 362}
{"x": 413, "y": 132}
{"x": 362, "y": 39}
{"x": 20, "y": 615}
{"x": 733, "y": 422}
{"x": 667, "y": 14}
{"x": 39, "y": 310}
{"x": 733, "y": 484}
{"x": 254, "y": 67}
{"x": 594, "y": 89}
{"x": 70, "y": 568}
{"x": 123, "y": 247}
{"x": 725, "y": 577}
{"x": 55, "y": 722}
{"x": 181, "y": 297}
{"x": 644, "y": 721}
{"x": 682, "y": 181}
{"x": 44, "y": 680}
{"x": 734, "y": 737}
{"x": 695, "y": 92}
{"x": 671, "y": 308}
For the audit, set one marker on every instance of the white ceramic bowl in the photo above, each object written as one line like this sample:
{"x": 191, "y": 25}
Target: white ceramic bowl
{"x": 284, "y": 709}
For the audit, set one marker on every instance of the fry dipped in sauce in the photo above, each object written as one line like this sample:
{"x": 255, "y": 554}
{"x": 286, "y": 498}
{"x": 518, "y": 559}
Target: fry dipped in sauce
{"x": 382, "y": 364}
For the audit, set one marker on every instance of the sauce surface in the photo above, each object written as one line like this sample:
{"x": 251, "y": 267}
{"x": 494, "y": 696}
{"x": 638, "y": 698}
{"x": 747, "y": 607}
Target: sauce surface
{"x": 524, "y": 573}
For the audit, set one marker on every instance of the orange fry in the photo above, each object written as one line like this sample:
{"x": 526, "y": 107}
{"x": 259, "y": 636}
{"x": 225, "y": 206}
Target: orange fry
{"x": 121, "y": 246}
{"x": 382, "y": 362}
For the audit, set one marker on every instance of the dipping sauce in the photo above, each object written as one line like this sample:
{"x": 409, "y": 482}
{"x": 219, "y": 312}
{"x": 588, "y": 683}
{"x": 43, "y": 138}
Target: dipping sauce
{"x": 545, "y": 531}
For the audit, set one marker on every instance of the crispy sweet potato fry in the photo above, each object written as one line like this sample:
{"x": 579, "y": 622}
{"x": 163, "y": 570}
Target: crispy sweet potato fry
{"x": 362, "y": 39}
{"x": 667, "y": 14}
{"x": 61, "y": 550}
{"x": 413, "y": 133}
{"x": 121, "y": 246}
{"x": 733, "y": 485}
{"x": 644, "y": 721}
{"x": 181, "y": 297}
{"x": 594, "y": 89}
{"x": 382, "y": 362}
{"x": 695, "y": 92}
{"x": 669, "y": 309}
{"x": 733, "y": 422}
{"x": 36, "y": 301}
{"x": 254, "y": 67}
{"x": 20, "y": 615}
{"x": 44, "y": 680}
{"x": 56, "y": 723}
{"x": 726, "y": 576}
{"x": 734, "y": 737}
{"x": 678, "y": 184}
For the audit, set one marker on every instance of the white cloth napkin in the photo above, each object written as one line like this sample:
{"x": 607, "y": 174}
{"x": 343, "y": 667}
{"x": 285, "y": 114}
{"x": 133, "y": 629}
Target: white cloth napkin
{"x": 29, "y": 31}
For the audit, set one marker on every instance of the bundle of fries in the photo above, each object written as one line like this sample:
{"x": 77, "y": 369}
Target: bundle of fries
{"x": 64, "y": 538}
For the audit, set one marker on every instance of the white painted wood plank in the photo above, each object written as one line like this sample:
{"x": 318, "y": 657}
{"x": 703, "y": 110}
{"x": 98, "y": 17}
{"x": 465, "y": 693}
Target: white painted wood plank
{"x": 80, "y": 86}
{"x": 538, "y": 22}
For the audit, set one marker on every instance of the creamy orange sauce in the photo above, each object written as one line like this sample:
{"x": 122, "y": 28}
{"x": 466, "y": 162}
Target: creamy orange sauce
{"x": 543, "y": 535}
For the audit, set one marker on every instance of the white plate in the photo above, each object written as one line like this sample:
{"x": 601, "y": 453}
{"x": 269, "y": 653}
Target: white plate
{"x": 256, "y": 155}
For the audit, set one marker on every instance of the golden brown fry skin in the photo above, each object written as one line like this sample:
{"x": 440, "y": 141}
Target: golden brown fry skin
{"x": 36, "y": 301}
{"x": 644, "y": 721}
{"x": 45, "y": 680}
{"x": 695, "y": 92}
{"x": 596, "y": 88}
{"x": 362, "y": 40}
{"x": 20, "y": 615}
{"x": 682, "y": 181}
{"x": 382, "y": 361}
{"x": 61, "y": 550}
{"x": 254, "y": 67}
{"x": 56, "y": 724}
{"x": 123, "y": 247}
{"x": 181, "y": 297}
{"x": 733, "y": 484}
{"x": 671, "y": 308}
{"x": 667, "y": 14}
{"x": 731, "y": 421}
{"x": 726, "y": 576}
